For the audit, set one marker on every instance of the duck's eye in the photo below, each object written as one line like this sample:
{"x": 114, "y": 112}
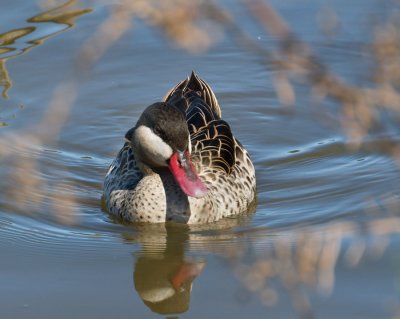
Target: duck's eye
{"x": 157, "y": 130}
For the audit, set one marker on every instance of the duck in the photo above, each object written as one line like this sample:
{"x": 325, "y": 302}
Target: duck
{"x": 180, "y": 163}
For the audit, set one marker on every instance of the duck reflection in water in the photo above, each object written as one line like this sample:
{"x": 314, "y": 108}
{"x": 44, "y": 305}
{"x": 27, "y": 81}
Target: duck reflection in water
{"x": 163, "y": 278}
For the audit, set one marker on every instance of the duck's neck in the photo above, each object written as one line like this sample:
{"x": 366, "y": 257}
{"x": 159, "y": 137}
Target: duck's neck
{"x": 143, "y": 166}
{"x": 147, "y": 170}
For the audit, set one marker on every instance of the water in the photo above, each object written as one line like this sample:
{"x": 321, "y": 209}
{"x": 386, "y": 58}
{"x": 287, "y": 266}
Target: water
{"x": 314, "y": 233}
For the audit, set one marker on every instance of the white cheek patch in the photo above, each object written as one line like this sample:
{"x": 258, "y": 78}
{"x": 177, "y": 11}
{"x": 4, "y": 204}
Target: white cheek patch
{"x": 151, "y": 144}
{"x": 190, "y": 145}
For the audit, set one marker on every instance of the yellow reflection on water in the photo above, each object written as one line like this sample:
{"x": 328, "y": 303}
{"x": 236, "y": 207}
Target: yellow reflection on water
{"x": 5, "y": 80}
{"x": 65, "y": 14}
{"x": 62, "y": 14}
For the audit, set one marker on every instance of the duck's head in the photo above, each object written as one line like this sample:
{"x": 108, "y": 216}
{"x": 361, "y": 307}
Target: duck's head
{"x": 161, "y": 139}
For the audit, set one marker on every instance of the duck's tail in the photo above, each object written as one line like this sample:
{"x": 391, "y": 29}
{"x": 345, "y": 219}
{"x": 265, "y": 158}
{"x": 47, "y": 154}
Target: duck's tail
{"x": 201, "y": 87}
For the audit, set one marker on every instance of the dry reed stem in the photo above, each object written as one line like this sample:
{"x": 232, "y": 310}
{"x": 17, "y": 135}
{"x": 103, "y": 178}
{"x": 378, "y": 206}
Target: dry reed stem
{"x": 360, "y": 105}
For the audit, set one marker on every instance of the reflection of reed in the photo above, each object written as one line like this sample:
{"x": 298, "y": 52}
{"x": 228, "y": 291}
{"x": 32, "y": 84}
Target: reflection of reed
{"x": 6, "y": 40}
{"x": 304, "y": 260}
{"x": 63, "y": 14}
{"x": 5, "y": 80}
{"x": 17, "y": 149}
{"x": 10, "y": 37}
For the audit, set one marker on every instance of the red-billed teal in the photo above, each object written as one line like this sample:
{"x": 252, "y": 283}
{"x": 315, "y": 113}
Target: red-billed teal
{"x": 180, "y": 163}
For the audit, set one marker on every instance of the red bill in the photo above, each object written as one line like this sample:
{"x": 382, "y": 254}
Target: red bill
{"x": 185, "y": 175}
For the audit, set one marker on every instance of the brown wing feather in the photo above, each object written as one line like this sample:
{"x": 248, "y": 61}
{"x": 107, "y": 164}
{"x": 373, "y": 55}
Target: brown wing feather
{"x": 215, "y": 146}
